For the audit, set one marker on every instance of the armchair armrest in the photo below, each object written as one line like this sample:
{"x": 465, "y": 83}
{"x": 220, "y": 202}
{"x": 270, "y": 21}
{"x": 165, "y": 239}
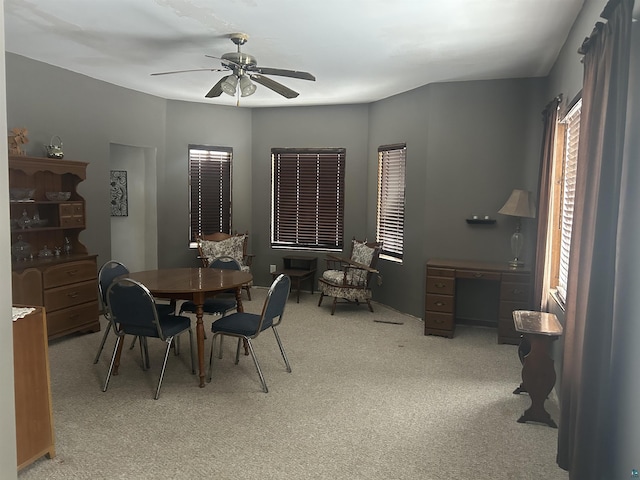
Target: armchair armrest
{"x": 248, "y": 259}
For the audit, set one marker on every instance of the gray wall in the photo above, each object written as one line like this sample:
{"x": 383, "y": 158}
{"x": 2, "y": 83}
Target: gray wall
{"x": 468, "y": 145}
{"x": 89, "y": 115}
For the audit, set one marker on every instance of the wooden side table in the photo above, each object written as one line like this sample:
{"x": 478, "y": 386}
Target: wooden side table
{"x": 538, "y": 329}
{"x": 299, "y": 268}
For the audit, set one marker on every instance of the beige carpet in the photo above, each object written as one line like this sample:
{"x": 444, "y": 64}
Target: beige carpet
{"x": 365, "y": 400}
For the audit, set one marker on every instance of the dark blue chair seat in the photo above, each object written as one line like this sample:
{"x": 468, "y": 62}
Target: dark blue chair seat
{"x": 212, "y": 306}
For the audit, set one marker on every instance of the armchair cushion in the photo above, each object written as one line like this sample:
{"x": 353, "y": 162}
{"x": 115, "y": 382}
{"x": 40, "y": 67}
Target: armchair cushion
{"x": 231, "y": 247}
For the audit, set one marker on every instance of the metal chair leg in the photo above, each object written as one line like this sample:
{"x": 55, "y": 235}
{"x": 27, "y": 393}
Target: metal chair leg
{"x": 255, "y": 361}
{"x": 169, "y": 341}
{"x": 111, "y": 364}
{"x": 284, "y": 355}
{"x": 104, "y": 339}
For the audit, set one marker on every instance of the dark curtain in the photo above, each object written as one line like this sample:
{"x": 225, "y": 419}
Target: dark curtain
{"x": 541, "y": 283}
{"x": 591, "y": 427}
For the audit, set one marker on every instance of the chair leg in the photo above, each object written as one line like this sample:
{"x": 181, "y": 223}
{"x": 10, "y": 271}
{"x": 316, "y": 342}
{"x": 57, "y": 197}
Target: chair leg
{"x": 321, "y": 297}
{"x": 370, "y": 307}
{"x": 144, "y": 353}
{"x": 169, "y": 341}
{"x": 133, "y": 343}
{"x": 112, "y": 363}
{"x": 213, "y": 343}
{"x": 255, "y": 361}
{"x": 104, "y": 339}
{"x": 248, "y": 289}
{"x": 333, "y": 307}
{"x": 284, "y": 355}
{"x": 238, "y": 351}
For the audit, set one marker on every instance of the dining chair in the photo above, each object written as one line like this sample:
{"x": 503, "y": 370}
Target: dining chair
{"x": 107, "y": 273}
{"x": 133, "y": 311}
{"x": 219, "y": 244}
{"x": 247, "y": 326}
{"x": 221, "y": 303}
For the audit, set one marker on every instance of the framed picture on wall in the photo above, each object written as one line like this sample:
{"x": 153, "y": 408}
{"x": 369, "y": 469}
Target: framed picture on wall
{"x": 119, "y": 199}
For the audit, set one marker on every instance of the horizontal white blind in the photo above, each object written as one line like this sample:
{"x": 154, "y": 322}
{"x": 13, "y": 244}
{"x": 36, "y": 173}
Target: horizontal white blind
{"x": 209, "y": 190}
{"x": 307, "y": 198}
{"x": 391, "y": 199}
{"x": 569, "y": 168}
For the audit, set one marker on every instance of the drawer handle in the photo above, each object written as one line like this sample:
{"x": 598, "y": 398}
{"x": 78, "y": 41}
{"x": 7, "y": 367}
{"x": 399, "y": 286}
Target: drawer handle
{"x": 478, "y": 275}
{"x": 516, "y": 291}
{"x": 71, "y": 273}
{"x": 439, "y": 285}
{"x": 73, "y": 295}
{"x": 439, "y": 304}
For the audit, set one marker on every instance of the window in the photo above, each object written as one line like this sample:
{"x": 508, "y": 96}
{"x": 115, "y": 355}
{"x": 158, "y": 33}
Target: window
{"x": 562, "y": 202}
{"x": 209, "y": 190}
{"x": 307, "y": 198}
{"x": 390, "y": 209}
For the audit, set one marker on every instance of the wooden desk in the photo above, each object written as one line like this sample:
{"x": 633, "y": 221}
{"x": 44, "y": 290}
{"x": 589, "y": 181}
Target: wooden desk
{"x": 539, "y": 329}
{"x": 514, "y": 286}
{"x": 299, "y": 268}
{"x": 195, "y": 284}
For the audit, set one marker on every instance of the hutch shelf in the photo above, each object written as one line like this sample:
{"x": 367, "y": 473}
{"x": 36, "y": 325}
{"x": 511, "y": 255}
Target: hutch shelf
{"x": 50, "y": 266}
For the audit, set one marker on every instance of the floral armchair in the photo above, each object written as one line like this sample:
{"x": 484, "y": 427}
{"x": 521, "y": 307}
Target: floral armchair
{"x": 350, "y": 278}
{"x": 224, "y": 244}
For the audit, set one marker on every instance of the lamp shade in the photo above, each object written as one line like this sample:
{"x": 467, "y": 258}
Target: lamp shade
{"x": 519, "y": 204}
{"x": 247, "y": 87}
{"x": 229, "y": 85}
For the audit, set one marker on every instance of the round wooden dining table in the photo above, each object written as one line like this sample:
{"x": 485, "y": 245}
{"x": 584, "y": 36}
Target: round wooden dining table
{"x": 194, "y": 284}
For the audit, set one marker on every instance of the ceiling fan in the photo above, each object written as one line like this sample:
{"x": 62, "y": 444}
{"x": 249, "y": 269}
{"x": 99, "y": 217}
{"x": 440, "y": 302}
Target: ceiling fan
{"x": 244, "y": 68}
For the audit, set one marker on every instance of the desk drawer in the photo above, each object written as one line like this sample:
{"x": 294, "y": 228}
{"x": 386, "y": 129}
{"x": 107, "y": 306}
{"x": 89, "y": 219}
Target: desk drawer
{"x": 72, "y": 272}
{"x": 478, "y": 275}
{"x": 69, "y": 295}
{"x": 514, "y": 292}
{"x": 441, "y": 285}
{"x": 438, "y": 321}
{"x": 439, "y": 303}
{"x": 440, "y": 272}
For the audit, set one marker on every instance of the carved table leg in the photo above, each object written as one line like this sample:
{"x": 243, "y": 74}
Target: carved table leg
{"x": 538, "y": 379}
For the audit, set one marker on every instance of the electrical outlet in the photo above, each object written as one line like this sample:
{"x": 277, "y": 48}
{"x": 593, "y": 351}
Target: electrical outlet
{"x": 272, "y": 268}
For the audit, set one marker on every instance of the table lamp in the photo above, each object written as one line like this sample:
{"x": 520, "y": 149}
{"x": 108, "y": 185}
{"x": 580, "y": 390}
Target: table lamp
{"x": 519, "y": 204}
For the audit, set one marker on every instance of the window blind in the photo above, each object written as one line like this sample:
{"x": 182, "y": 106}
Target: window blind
{"x": 210, "y": 190}
{"x": 569, "y": 167}
{"x": 391, "y": 200}
{"x": 307, "y": 198}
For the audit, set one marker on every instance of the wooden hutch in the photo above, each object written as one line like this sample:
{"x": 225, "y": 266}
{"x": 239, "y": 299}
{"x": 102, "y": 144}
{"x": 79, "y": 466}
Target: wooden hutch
{"x": 62, "y": 281}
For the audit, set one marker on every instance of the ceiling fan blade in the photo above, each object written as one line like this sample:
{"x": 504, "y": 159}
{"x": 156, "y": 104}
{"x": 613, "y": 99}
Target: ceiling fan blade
{"x": 190, "y": 70}
{"x": 273, "y": 85}
{"x": 284, "y": 73}
{"x": 216, "y": 90}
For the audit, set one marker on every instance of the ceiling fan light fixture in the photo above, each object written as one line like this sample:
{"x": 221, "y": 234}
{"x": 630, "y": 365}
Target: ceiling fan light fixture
{"x": 229, "y": 85}
{"x": 247, "y": 87}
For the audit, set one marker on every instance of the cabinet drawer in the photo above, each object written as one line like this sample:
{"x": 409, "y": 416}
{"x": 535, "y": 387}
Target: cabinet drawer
{"x": 71, "y": 272}
{"x": 440, "y": 272}
{"x": 439, "y": 321}
{"x": 516, "y": 277}
{"x": 507, "y": 308}
{"x": 507, "y": 332}
{"x": 439, "y": 303}
{"x": 68, "y": 319}
{"x": 442, "y": 285}
{"x": 478, "y": 275}
{"x": 69, "y": 295}
{"x": 71, "y": 209}
{"x": 517, "y": 292}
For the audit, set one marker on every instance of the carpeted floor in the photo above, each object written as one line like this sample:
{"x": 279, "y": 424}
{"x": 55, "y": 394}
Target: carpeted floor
{"x": 365, "y": 400}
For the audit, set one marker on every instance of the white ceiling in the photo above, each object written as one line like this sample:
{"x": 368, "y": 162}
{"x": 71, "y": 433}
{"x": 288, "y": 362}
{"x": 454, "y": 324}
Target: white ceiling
{"x": 359, "y": 50}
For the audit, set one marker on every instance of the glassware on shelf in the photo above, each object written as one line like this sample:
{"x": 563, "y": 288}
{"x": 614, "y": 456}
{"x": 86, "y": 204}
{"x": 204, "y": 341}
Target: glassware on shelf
{"x": 24, "y": 221}
{"x": 21, "y": 250}
{"x": 67, "y": 246}
{"x": 45, "y": 253}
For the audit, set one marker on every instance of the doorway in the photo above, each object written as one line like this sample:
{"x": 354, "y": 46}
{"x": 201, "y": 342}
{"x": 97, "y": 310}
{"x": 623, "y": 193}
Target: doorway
{"x": 134, "y": 239}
